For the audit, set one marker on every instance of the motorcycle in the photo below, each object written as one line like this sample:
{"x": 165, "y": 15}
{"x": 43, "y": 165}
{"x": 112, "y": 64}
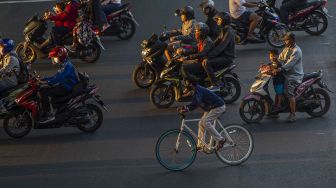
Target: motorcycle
{"x": 313, "y": 100}
{"x": 122, "y": 21}
{"x": 70, "y": 111}
{"x": 153, "y": 62}
{"x": 34, "y": 31}
{"x": 170, "y": 87}
{"x": 308, "y": 17}
{"x": 270, "y": 28}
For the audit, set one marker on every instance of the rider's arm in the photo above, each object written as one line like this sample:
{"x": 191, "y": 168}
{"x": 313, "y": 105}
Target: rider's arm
{"x": 291, "y": 62}
{"x": 207, "y": 48}
{"x": 250, "y": 4}
{"x": 61, "y": 76}
{"x": 222, "y": 43}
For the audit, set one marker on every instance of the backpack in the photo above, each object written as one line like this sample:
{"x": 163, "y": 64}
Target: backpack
{"x": 23, "y": 75}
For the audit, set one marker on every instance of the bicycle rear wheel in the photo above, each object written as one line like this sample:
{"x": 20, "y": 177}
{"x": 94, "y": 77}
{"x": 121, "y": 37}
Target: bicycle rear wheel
{"x": 173, "y": 157}
{"x": 240, "y": 149}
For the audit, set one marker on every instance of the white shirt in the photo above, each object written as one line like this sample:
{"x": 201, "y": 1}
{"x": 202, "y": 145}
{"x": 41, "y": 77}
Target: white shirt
{"x": 236, "y": 8}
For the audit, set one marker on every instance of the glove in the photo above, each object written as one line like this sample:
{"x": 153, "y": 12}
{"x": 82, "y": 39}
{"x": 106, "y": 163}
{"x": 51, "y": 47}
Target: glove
{"x": 182, "y": 109}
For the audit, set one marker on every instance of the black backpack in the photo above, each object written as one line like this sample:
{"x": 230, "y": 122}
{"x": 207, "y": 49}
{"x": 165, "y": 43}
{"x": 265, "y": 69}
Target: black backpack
{"x": 23, "y": 75}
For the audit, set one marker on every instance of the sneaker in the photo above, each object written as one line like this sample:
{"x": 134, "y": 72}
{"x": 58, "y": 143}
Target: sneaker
{"x": 199, "y": 148}
{"x": 214, "y": 88}
{"x": 291, "y": 118}
{"x": 48, "y": 118}
{"x": 220, "y": 144}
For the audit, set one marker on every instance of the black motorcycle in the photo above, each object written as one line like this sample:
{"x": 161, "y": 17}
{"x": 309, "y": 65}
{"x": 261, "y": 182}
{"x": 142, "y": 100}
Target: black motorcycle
{"x": 311, "y": 17}
{"x": 34, "y": 31}
{"x": 153, "y": 61}
{"x": 270, "y": 29}
{"x": 170, "y": 87}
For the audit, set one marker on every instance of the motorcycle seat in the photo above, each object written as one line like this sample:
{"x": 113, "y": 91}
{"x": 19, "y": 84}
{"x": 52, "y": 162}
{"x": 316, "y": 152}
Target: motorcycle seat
{"x": 310, "y": 75}
{"x": 297, "y": 9}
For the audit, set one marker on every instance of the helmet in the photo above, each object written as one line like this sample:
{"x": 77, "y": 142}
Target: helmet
{"x": 207, "y": 3}
{"x": 202, "y": 28}
{"x": 187, "y": 10}
{"x": 60, "y": 53}
{"x": 224, "y": 16}
{"x": 8, "y": 45}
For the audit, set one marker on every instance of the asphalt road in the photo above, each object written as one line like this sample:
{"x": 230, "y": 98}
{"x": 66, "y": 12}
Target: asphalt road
{"x": 121, "y": 153}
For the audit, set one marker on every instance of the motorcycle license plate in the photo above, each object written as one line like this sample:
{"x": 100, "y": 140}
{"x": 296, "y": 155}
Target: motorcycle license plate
{"x": 325, "y": 10}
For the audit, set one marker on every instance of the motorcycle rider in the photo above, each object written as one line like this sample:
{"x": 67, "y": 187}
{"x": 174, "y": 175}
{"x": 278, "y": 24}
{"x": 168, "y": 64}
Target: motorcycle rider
{"x": 192, "y": 63}
{"x": 292, "y": 68}
{"x": 60, "y": 84}
{"x": 67, "y": 17}
{"x": 182, "y": 36}
{"x": 209, "y": 10}
{"x": 223, "y": 54}
{"x": 288, "y": 6}
{"x": 239, "y": 12}
{"x": 9, "y": 65}
{"x": 213, "y": 106}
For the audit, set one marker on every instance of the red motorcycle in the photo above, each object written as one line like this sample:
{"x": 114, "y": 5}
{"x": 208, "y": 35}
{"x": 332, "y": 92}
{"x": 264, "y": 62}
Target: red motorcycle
{"x": 313, "y": 100}
{"x": 70, "y": 111}
{"x": 311, "y": 18}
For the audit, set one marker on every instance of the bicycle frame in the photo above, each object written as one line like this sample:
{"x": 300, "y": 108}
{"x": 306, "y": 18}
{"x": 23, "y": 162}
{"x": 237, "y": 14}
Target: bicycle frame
{"x": 208, "y": 146}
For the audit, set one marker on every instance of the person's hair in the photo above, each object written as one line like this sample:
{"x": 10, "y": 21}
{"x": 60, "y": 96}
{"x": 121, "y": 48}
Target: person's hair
{"x": 60, "y": 5}
{"x": 274, "y": 52}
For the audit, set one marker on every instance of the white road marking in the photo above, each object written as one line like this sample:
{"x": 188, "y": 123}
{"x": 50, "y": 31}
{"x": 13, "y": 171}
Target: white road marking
{"x": 24, "y": 1}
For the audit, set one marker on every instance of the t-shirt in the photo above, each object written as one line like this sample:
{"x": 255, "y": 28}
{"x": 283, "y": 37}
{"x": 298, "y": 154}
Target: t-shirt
{"x": 236, "y": 8}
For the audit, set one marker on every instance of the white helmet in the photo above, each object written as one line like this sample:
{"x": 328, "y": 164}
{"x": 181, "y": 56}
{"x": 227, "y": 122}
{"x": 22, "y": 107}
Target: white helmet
{"x": 207, "y": 3}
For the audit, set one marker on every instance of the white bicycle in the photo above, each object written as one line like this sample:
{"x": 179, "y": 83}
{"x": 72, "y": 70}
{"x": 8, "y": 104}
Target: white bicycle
{"x": 176, "y": 149}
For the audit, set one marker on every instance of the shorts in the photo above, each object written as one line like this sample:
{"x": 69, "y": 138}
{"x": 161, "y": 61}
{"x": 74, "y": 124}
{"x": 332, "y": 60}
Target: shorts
{"x": 291, "y": 86}
{"x": 245, "y": 18}
{"x": 279, "y": 89}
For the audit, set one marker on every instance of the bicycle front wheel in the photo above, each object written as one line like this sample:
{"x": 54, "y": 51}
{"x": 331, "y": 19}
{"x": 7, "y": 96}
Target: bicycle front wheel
{"x": 176, "y": 150}
{"x": 238, "y": 150}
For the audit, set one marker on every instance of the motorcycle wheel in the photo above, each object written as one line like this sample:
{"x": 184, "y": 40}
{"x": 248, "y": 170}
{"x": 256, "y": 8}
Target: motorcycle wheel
{"x": 95, "y": 55}
{"x": 127, "y": 27}
{"x": 96, "y": 116}
{"x": 28, "y": 56}
{"x": 252, "y": 111}
{"x": 143, "y": 79}
{"x": 319, "y": 95}
{"x": 314, "y": 20}
{"x": 162, "y": 96}
{"x": 275, "y": 35}
{"x": 17, "y": 125}
{"x": 233, "y": 88}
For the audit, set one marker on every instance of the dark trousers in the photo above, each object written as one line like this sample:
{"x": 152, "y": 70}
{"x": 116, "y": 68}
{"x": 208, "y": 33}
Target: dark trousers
{"x": 51, "y": 91}
{"x": 215, "y": 64}
{"x": 57, "y": 33}
{"x": 193, "y": 67}
{"x": 290, "y": 6}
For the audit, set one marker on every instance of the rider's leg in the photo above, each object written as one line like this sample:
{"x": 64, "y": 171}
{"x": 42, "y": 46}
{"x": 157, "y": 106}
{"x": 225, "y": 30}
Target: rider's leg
{"x": 290, "y": 88}
{"x": 285, "y": 9}
{"x": 57, "y": 33}
{"x": 254, "y": 20}
{"x": 201, "y": 131}
{"x": 209, "y": 122}
{"x": 210, "y": 72}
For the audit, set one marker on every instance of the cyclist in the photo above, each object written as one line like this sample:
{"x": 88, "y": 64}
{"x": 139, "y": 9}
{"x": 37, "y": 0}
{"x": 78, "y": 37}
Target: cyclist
{"x": 213, "y": 106}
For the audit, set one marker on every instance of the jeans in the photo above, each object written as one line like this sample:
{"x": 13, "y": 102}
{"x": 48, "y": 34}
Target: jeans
{"x": 51, "y": 91}
{"x": 109, "y": 8}
{"x": 214, "y": 64}
{"x": 290, "y": 6}
{"x": 57, "y": 33}
{"x": 207, "y": 123}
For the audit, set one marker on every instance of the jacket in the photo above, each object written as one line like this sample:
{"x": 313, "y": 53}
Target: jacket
{"x": 212, "y": 25}
{"x": 186, "y": 33}
{"x": 224, "y": 44}
{"x": 205, "y": 99}
{"x": 66, "y": 76}
{"x": 9, "y": 68}
{"x": 201, "y": 54}
{"x": 68, "y": 17}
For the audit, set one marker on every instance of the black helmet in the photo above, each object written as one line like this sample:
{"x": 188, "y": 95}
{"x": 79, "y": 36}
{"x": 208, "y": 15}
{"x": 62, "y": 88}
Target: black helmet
{"x": 224, "y": 16}
{"x": 207, "y": 3}
{"x": 203, "y": 28}
{"x": 187, "y": 10}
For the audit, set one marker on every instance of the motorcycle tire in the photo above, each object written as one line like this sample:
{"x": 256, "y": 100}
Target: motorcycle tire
{"x": 232, "y": 83}
{"x": 93, "y": 110}
{"x": 96, "y": 54}
{"x": 319, "y": 15}
{"x": 260, "y": 108}
{"x": 129, "y": 23}
{"x": 139, "y": 76}
{"x": 28, "y": 124}
{"x": 318, "y": 92}
{"x": 270, "y": 37}
{"x": 28, "y": 56}
{"x": 168, "y": 93}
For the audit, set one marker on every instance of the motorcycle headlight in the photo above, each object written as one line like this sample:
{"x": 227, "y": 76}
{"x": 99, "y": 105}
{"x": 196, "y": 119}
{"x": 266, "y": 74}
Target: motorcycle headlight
{"x": 145, "y": 52}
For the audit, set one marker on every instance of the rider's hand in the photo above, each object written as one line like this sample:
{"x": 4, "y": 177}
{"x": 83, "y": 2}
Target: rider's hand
{"x": 172, "y": 39}
{"x": 182, "y": 109}
{"x": 180, "y": 51}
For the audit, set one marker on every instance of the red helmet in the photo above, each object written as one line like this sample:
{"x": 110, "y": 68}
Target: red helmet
{"x": 59, "y": 52}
